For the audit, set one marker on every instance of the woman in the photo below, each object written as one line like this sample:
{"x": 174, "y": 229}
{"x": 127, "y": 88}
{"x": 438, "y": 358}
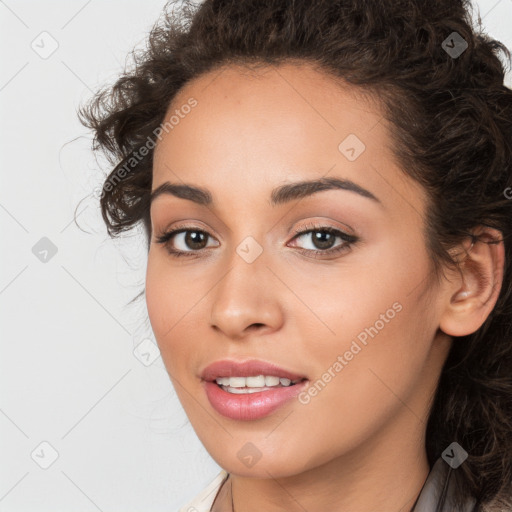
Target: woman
{"x": 325, "y": 187}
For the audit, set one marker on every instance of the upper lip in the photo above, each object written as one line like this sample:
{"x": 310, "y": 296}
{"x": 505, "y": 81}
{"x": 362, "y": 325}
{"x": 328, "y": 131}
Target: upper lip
{"x": 248, "y": 368}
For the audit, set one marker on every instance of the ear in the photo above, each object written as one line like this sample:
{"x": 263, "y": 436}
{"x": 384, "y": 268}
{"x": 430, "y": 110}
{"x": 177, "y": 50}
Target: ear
{"x": 472, "y": 293}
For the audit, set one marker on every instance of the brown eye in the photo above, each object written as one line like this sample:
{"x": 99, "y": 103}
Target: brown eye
{"x": 323, "y": 239}
{"x": 184, "y": 241}
{"x": 195, "y": 239}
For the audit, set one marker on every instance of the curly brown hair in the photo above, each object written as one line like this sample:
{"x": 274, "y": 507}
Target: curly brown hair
{"x": 451, "y": 119}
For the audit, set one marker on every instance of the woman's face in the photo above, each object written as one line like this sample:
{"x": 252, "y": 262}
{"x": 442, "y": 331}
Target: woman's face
{"x": 354, "y": 311}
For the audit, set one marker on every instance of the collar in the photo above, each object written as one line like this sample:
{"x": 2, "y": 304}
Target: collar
{"x": 437, "y": 493}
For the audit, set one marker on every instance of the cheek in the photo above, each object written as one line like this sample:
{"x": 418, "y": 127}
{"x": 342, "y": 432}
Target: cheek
{"x": 169, "y": 294}
{"x": 158, "y": 297}
{"x": 381, "y": 328}
{"x": 359, "y": 388}
{"x": 168, "y": 303}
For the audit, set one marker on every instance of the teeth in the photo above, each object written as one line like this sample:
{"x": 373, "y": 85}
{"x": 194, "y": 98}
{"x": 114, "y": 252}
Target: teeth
{"x": 271, "y": 381}
{"x": 257, "y": 381}
{"x": 237, "y": 382}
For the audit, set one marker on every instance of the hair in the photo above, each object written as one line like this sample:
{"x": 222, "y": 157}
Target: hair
{"x": 451, "y": 130}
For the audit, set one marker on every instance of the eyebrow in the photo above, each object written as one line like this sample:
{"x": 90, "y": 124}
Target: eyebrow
{"x": 279, "y": 195}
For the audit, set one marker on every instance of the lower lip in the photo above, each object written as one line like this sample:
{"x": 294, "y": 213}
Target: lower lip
{"x": 250, "y": 406}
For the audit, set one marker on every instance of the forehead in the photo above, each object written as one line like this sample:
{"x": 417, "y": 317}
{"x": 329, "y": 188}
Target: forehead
{"x": 279, "y": 92}
{"x": 253, "y": 128}
{"x": 273, "y": 104}
{"x": 304, "y": 79}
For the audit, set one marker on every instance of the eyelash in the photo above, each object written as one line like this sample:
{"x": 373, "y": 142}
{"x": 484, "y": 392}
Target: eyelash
{"x": 349, "y": 240}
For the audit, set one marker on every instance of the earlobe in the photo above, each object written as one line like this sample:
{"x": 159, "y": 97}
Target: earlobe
{"x": 471, "y": 297}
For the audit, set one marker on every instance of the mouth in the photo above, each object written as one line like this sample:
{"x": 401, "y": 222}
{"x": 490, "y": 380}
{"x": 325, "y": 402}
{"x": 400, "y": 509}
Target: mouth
{"x": 249, "y": 390}
{"x": 254, "y": 384}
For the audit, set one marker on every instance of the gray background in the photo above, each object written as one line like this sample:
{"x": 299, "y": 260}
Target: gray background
{"x": 72, "y": 372}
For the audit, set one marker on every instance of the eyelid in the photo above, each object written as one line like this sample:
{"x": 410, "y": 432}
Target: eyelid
{"x": 320, "y": 225}
{"x": 170, "y": 233}
{"x": 185, "y": 226}
{"x": 348, "y": 238}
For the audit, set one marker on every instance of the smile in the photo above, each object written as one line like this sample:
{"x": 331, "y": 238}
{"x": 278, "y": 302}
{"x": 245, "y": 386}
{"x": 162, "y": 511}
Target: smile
{"x": 249, "y": 390}
{"x": 253, "y": 384}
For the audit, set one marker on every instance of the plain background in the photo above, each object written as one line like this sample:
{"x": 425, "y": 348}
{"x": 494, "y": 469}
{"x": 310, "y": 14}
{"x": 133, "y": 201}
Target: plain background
{"x": 114, "y": 435}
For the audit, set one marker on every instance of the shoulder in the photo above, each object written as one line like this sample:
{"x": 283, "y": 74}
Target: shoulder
{"x": 204, "y": 500}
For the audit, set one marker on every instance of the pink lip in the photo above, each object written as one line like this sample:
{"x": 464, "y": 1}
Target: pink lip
{"x": 230, "y": 368}
{"x": 250, "y": 406}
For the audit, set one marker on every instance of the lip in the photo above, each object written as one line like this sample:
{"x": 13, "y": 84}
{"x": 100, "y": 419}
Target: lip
{"x": 231, "y": 368}
{"x": 250, "y": 406}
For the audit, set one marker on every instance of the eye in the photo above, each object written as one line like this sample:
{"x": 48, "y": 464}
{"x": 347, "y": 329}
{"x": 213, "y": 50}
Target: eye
{"x": 323, "y": 239}
{"x": 191, "y": 240}
{"x": 186, "y": 237}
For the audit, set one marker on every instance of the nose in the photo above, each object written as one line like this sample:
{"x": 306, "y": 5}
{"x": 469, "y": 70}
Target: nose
{"x": 246, "y": 299}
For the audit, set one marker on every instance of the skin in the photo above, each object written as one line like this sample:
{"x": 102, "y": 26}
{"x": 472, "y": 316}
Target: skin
{"x": 359, "y": 444}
